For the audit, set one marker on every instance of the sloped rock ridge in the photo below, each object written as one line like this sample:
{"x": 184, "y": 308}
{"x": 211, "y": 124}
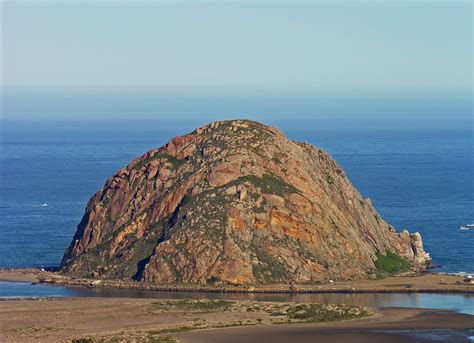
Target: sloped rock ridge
{"x": 234, "y": 202}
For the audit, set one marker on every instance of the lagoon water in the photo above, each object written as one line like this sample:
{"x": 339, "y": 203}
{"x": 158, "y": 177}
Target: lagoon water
{"x": 458, "y": 302}
{"x": 418, "y": 178}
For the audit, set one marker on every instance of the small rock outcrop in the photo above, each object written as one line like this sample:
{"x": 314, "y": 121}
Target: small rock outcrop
{"x": 233, "y": 202}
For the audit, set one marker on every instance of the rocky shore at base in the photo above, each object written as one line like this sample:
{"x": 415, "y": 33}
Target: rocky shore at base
{"x": 419, "y": 283}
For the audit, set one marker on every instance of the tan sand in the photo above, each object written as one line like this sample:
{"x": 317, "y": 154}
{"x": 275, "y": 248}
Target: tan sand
{"x": 20, "y": 275}
{"x": 363, "y": 330}
{"x": 64, "y": 319}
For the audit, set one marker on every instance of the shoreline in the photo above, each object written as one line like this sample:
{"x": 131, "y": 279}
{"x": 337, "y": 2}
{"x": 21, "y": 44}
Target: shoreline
{"x": 387, "y": 325}
{"x": 420, "y": 283}
{"x": 51, "y": 320}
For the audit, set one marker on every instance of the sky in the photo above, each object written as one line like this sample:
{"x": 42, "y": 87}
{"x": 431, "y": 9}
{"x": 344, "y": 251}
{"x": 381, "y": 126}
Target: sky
{"x": 244, "y": 49}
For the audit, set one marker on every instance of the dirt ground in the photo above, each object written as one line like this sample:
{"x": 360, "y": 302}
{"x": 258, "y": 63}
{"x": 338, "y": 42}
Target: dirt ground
{"x": 391, "y": 325}
{"x": 146, "y": 320}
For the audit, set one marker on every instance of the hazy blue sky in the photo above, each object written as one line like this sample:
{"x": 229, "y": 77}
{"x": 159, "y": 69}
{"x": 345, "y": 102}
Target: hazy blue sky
{"x": 239, "y": 47}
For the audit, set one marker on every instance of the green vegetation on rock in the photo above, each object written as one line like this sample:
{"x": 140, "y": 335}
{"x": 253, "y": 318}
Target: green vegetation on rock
{"x": 269, "y": 184}
{"x": 170, "y": 158}
{"x": 391, "y": 263}
{"x": 270, "y": 269}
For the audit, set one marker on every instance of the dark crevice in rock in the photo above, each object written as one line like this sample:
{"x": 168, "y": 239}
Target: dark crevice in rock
{"x": 165, "y": 235}
{"x": 141, "y": 268}
{"x": 77, "y": 236}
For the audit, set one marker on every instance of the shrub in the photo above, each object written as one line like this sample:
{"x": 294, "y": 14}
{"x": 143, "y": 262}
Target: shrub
{"x": 391, "y": 263}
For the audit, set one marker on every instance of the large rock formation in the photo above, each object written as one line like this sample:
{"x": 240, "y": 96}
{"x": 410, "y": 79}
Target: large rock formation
{"x": 234, "y": 202}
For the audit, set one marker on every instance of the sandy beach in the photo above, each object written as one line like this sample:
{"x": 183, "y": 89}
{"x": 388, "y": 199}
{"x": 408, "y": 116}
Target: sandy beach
{"x": 21, "y": 275}
{"x": 158, "y": 320}
{"x": 389, "y": 325}
{"x": 63, "y": 320}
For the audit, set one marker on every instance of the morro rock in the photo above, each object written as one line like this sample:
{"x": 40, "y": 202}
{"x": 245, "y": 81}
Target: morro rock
{"x": 235, "y": 202}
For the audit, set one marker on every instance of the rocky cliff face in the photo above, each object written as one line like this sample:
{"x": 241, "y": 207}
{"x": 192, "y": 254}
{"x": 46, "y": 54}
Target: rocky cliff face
{"x": 233, "y": 202}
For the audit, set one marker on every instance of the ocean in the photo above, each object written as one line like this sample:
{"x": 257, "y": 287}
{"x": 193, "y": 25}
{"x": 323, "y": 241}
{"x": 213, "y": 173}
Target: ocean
{"x": 419, "y": 178}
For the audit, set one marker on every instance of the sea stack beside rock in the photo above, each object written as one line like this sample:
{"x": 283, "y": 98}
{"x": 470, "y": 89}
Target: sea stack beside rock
{"x": 235, "y": 202}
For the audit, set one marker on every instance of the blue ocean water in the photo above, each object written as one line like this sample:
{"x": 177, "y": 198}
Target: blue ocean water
{"x": 418, "y": 178}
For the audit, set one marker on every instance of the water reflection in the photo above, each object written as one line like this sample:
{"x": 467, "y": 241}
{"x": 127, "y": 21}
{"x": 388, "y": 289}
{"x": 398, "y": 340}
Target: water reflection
{"x": 459, "y": 302}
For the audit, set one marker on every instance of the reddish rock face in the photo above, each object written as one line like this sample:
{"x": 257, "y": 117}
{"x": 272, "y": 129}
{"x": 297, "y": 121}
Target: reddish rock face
{"x": 233, "y": 202}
